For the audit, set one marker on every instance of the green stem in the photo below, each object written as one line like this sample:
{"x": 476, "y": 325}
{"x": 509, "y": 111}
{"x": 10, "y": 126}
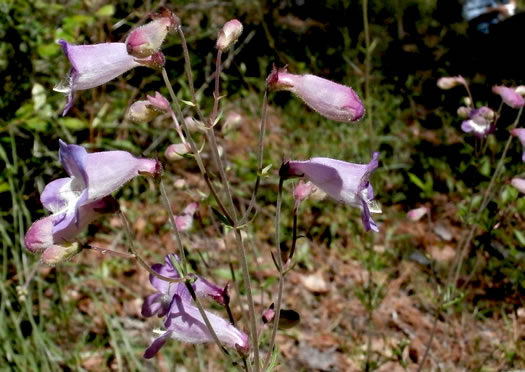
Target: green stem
{"x": 281, "y": 276}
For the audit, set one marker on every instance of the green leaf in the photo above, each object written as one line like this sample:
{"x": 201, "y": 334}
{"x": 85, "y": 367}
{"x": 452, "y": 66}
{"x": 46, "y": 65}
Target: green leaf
{"x": 189, "y": 103}
{"x": 4, "y": 186}
{"x": 73, "y": 123}
{"x": 221, "y": 217}
{"x": 36, "y": 124}
{"x": 520, "y": 236}
{"x": 48, "y": 50}
{"x": 417, "y": 181}
{"x": 106, "y": 11}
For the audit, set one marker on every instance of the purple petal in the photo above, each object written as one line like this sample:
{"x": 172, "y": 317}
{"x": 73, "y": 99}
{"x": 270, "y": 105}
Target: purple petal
{"x": 509, "y": 96}
{"x": 152, "y": 305}
{"x": 334, "y": 101}
{"x": 40, "y": 235}
{"x": 107, "y": 171}
{"x": 156, "y": 345}
{"x": 161, "y": 285}
{"x": 56, "y": 195}
{"x": 186, "y": 324}
{"x": 73, "y": 158}
{"x": 205, "y": 288}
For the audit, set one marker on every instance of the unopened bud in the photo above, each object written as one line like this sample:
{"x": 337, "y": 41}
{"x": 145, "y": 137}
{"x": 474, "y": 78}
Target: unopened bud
{"x": 232, "y": 121}
{"x": 176, "y": 151}
{"x": 146, "y": 40}
{"x": 193, "y": 125}
{"x": 229, "y": 34}
{"x": 464, "y": 112}
{"x": 509, "y": 96}
{"x": 180, "y": 184}
{"x": 56, "y": 254}
{"x": 519, "y": 184}
{"x": 141, "y": 112}
{"x": 520, "y": 90}
{"x": 450, "y": 82}
{"x": 159, "y": 102}
{"x": 155, "y": 61}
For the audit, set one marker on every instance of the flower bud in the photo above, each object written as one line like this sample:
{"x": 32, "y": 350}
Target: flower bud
{"x": 56, "y": 254}
{"x": 159, "y": 102}
{"x": 464, "y": 112}
{"x": 521, "y": 90}
{"x": 232, "y": 121}
{"x": 229, "y": 34}
{"x": 176, "y": 151}
{"x": 141, "y": 112}
{"x": 146, "y": 40}
{"x": 446, "y": 83}
{"x": 302, "y": 191}
{"x": 332, "y": 100}
{"x": 417, "y": 213}
{"x": 519, "y": 184}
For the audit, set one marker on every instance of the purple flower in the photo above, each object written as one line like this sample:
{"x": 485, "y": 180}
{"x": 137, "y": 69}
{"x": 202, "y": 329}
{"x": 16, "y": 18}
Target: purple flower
{"x": 345, "y": 182}
{"x": 229, "y": 34}
{"x": 91, "y": 177}
{"x": 450, "y": 82}
{"x": 333, "y": 101}
{"x": 520, "y": 133}
{"x": 519, "y": 184}
{"x": 96, "y": 64}
{"x": 183, "y": 320}
{"x": 480, "y": 122}
{"x": 509, "y": 96}
{"x": 57, "y": 246}
{"x": 184, "y": 221}
{"x": 147, "y": 40}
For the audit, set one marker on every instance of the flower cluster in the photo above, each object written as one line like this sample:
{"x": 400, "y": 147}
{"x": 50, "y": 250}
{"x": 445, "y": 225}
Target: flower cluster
{"x": 183, "y": 320}
{"x": 96, "y": 64}
{"x": 77, "y": 200}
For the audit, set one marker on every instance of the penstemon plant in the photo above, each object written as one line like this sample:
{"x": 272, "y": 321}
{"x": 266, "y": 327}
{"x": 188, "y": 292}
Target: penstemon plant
{"x": 85, "y": 195}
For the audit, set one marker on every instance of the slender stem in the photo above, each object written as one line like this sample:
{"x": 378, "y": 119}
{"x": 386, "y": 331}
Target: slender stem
{"x": 367, "y": 75}
{"x": 281, "y": 276}
{"x": 294, "y": 232}
{"x": 370, "y": 284}
{"x": 486, "y": 198}
{"x": 429, "y": 343}
{"x": 177, "y": 127}
{"x": 251, "y": 306}
{"x": 194, "y": 148}
{"x": 260, "y": 153}
{"x": 213, "y": 335}
{"x": 216, "y": 93}
{"x": 111, "y": 252}
{"x": 139, "y": 259}
{"x": 189, "y": 74}
{"x": 183, "y": 261}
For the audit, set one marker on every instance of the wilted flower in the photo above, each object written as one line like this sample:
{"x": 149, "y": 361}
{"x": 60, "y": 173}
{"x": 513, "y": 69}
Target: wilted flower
{"x": 229, "y": 34}
{"x": 183, "y": 320}
{"x": 176, "y": 151}
{"x": 480, "y": 122}
{"x": 333, "y": 101}
{"x": 417, "y": 213}
{"x": 450, "y": 82}
{"x": 342, "y": 181}
{"x": 520, "y": 133}
{"x": 509, "y": 96}
{"x": 59, "y": 245}
{"x": 96, "y": 64}
{"x": 142, "y": 112}
{"x": 519, "y": 184}
{"x": 146, "y": 40}
{"x": 91, "y": 177}
{"x": 184, "y": 221}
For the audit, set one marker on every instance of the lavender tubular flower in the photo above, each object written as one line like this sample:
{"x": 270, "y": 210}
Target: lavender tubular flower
{"x": 480, "y": 122}
{"x": 94, "y": 65}
{"x": 185, "y": 323}
{"x": 333, "y": 101}
{"x": 57, "y": 246}
{"x": 91, "y": 177}
{"x": 509, "y": 96}
{"x": 345, "y": 182}
{"x": 183, "y": 320}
